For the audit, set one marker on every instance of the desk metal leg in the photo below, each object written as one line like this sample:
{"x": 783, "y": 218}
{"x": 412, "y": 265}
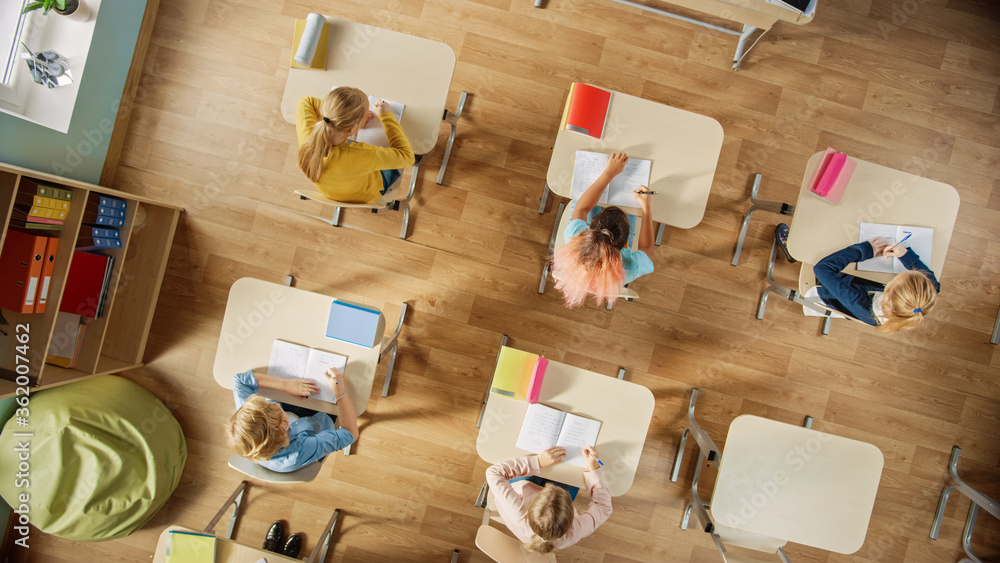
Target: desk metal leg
{"x": 741, "y": 44}
{"x": 621, "y": 373}
{"x": 235, "y": 499}
{"x": 552, "y": 245}
{"x": 705, "y": 443}
{"x": 979, "y": 500}
{"x": 318, "y": 554}
{"x": 486, "y": 396}
{"x": 452, "y": 119}
{"x": 454, "y": 556}
{"x": 538, "y": 3}
{"x": 659, "y": 234}
{"x": 996, "y": 330}
{"x": 772, "y": 206}
{"x": 394, "y": 342}
{"x": 545, "y": 198}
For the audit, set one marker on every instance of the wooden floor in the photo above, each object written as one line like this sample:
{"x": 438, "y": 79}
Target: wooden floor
{"x": 912, "y": 84}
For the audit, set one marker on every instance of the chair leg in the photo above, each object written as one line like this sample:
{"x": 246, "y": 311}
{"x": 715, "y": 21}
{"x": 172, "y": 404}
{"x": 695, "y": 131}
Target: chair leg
{"x": 545, "y": 198}
{"x": 454, "y": 557}
{"x": 452, "y": 119}
{"x": 235, "y": 499}
{"x": 406, "y": 219}
{"x": 394, "y": 342}
{"x": 336, "y": 217}
{"x": 319, "y": 552}
{"x": 552, "y": 245}
{"x": 481, "y": 499}
{"x": 995, "y": 339}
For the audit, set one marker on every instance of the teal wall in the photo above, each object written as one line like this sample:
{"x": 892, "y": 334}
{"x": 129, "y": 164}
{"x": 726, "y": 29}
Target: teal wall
{"x": 27, "y": 144}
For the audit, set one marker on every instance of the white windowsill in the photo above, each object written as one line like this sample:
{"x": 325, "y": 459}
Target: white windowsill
{"x": 52, "y": 108}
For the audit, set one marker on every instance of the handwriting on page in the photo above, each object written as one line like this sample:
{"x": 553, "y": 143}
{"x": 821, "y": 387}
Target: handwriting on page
{"x": 578, "y": 433}
{"x": 586, "y": 171}
{"x": 287, "y": 360}
{"x": 540, "y": 428}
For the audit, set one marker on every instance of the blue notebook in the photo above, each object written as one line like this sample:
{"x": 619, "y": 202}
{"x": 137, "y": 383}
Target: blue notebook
{"x": 354, "y": 324}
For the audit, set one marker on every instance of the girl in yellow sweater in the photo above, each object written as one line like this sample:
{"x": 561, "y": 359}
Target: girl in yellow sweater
{"x": 341, "y": 169}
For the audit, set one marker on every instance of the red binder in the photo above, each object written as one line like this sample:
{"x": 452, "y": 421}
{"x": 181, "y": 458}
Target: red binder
{"x": 84, "y": 284}
{"x": 20, "y": 268}
{"x": 586, "y": 110}
{"x": 48, "y": 265}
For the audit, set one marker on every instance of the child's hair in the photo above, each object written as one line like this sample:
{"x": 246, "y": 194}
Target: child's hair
{"x": 550, "y": 516}
{"x": 907, "y": 299}
{"x": 341, "y": 109}
{"x": 255, "y": 430}
{"x": 591, "y": 262}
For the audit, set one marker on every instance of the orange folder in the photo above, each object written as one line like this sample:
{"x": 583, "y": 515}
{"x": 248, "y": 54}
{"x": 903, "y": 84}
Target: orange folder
{"x": 20, "y": 269}
{"x": 48, "y": 265}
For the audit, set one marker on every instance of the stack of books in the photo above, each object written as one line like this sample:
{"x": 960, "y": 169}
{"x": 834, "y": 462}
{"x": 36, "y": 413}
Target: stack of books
{"x": 102, "y": 218}
{"x": 40, "y": 207}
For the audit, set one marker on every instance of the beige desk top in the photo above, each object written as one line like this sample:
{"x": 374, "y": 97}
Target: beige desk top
{"x": 758, "y": 13}
{"x": 683, "y": 146}
{"x": 875, "y": 194}
{"x": 259, "y": 312}
{"x": 796, "y": 484}
{"x": 226, "y": 551}
{"x": 411, "y": 70}
{"x": 624, "y": 409}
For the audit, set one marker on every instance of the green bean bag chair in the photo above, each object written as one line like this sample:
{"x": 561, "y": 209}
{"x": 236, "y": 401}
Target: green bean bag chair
{"x": 103, "y": 457}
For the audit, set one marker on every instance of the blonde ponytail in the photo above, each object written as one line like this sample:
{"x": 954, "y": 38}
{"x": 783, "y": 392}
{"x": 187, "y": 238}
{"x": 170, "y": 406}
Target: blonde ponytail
{"x": 550, "y": 516}
{"x": 907, "y": 299}
{"x": 538, "y": 545}
{"x": 341, "y": 109}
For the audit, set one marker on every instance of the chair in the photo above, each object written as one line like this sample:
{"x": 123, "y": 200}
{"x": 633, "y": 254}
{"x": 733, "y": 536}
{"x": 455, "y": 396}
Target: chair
{"x": 388, "y": 201}
{"x": 723, "y": 536}
{"x": 978, "y": 500}
{"x": 807, "y": 280}
{"x": 318, "y": 553}
{"x": 252, "y": 469}
{"x": 497, "y": 545}
{"x": 562, "y": 219}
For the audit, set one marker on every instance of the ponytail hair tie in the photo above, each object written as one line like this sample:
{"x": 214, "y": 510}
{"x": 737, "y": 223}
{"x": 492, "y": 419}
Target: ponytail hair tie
{"x": 918, "y": 311}
{"x": 326, "y": 119}
{"x": 606, "y": 233}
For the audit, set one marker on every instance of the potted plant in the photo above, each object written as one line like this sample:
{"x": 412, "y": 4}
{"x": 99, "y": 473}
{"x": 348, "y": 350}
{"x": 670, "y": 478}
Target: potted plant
{"x": 73, "y": 9}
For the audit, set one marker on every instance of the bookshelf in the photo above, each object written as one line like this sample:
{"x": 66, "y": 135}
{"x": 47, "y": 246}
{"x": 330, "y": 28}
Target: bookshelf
{"x": 115, "y": 341}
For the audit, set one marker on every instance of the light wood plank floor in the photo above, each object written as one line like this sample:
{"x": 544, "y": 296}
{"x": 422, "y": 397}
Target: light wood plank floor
{"x": 909, "y": 84}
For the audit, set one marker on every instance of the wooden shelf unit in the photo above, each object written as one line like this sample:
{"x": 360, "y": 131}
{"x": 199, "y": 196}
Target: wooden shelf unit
{"x": 117, "y": 340}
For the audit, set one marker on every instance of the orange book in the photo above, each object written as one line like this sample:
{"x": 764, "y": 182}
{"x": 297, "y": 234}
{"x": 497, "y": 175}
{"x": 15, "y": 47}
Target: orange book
{"x": 20, "y": 269}
{"x": 48, "y": 265}
{"x": 587, "y": 109}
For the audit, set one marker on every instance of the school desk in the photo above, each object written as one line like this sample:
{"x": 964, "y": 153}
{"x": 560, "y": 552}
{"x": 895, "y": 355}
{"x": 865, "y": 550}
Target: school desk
{"x": 796, "y": 484}
{"x": 684, "y": 148}
{"x": 260, "y": 312}
{"x": 624, "y": 409}
{"x": 411, "y": 70}
{"x": 752, "y": 14}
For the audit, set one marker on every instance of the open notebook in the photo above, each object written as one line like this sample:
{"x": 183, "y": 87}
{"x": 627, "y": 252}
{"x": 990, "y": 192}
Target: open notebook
{"x": 918, "y": 239}
{"x": 292, "y": 361}
{"x": 590, "y": 165}
{"x": 545, "y": 427}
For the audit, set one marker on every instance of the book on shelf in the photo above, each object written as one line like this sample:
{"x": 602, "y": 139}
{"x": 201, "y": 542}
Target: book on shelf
{"x": 587, "y": 109}
{"x": 354, "y": 324}
{"x": 590, "y": 165}
{"x": 35, "y": 226}
{"x": 112, "y": 202}
{"x": 21, "y": 261}
{"x": 293, "y": 361}
{"x": 190, "y": 547}
{"x": 38, "y": 213}
{"x": 545, "y": 427}
{"x": 919, "y": 239}
{"x": 93, "y": 218}
{"x": 54, "y": 192}
{"x": 87, "y": 284}
{"x": 66, "y": 341}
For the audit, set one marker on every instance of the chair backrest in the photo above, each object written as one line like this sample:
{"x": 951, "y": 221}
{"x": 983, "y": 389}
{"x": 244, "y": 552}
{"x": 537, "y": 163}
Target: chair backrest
{"x": 807, "y": 281}
{"x": 251, "y": 469}
{"x": 625, "y": 292}
{"x": 388, "y": 196}
{"x": 505, "y": 549}
{"x": 733, "y": 538}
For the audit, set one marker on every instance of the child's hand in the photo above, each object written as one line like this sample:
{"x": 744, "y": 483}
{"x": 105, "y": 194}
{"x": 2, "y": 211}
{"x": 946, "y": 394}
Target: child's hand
{"x": 897, "y": 252}
{"x": 382, "y": 107}
{"x": 593, "y": 458}
{"x": 642, "y": 198}
{"x": 336, "y": 380}
{"x": 878, "y": 245}
{"x": 551, "y": 456}
{"x": 301, "y": 388}
{"x": 616, "y": 164}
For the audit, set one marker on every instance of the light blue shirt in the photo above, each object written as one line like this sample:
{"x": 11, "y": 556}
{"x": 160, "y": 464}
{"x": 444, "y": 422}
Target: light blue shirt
{"x": 309, "y": 438}
{"x": 635, "y": 263}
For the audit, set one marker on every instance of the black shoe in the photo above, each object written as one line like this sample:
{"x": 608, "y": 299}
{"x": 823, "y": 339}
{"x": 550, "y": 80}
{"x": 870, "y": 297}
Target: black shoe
{"x": 292, "y": 546}
{"x": 275, "y": 535}
{"x": 781, "y": 235}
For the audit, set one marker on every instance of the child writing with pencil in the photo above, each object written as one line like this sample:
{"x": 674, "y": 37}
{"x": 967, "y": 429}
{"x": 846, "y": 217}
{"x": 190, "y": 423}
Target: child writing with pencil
{"x": 543, "y": 517}
{"x": 898, "y": 305}
{"x": 284, "y": 437}
{"x": 342, "y": 169}
{"x": 594, "y": 259}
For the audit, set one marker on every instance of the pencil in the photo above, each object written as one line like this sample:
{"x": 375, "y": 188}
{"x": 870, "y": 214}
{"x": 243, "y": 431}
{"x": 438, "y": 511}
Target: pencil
{"x": 897, "y": 244}
{"x": 599, "y": 462}
{"x": 654, "y": 193}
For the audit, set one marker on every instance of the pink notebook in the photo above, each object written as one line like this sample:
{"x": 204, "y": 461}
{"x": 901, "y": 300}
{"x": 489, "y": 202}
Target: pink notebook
{"x": 832, "y": 176}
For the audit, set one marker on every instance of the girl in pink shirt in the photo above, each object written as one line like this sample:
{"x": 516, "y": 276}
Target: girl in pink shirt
{"x": 544, "y": 518}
